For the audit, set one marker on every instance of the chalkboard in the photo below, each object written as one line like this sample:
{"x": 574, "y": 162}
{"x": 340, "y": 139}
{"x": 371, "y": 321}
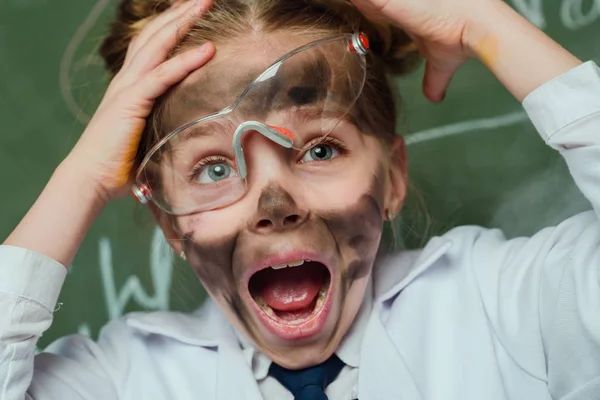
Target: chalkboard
{"x": 475, "y": 159}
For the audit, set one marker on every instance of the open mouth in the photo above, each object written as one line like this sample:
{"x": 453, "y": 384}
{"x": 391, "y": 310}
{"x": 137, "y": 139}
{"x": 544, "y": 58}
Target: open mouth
{"x": 292, "y": 298}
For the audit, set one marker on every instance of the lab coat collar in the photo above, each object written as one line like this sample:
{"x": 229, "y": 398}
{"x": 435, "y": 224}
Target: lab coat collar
{"x": 396, "y": 270}
{"x": 206, "y": 327}
{"x": 383, "y": 372}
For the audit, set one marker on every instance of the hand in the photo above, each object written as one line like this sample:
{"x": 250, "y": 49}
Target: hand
{"x": 448, "y": 32}
{"x": 438, "y": 28}
{"x": 106, "y": 151}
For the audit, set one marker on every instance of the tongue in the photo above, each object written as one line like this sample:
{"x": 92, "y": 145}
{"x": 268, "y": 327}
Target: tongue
{"x": 291, "y": 288}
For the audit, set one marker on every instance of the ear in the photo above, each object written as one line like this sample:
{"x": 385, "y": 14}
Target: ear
{"x": 167, "y": 225}
{"x": 397, "y": 176}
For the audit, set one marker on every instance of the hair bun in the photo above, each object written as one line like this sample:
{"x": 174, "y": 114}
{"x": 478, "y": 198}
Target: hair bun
{"x": 132, "y": 16}
{"x": 398, "y": 51}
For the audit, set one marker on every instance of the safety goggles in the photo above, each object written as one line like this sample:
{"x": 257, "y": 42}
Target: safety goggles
{"x": 201, "y": 165}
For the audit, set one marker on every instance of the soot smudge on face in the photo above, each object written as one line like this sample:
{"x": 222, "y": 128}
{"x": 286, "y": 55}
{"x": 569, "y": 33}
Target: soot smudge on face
{"x": 355, "y": 230}
{"x": 359, "y": 228}
{"x": 275, "y": 205}
{"x": 212, "y": 262}
{"x": 297, "y": 83}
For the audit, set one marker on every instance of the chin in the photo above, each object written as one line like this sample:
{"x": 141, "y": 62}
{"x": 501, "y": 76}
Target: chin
{"x": 303, "y": 356}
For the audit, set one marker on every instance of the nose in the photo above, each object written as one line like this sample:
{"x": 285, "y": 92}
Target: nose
{"x": 277, "y": 211}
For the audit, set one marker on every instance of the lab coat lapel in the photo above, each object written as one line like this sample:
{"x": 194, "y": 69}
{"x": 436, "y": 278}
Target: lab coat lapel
{"x": 234, "y": 378}
{"x": 383, "y": 373}
{"x": 209, "y": 328}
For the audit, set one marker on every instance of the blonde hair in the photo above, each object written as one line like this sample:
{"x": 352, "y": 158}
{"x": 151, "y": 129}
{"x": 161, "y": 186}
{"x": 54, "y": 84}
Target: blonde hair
{"x": 392, "y": 50}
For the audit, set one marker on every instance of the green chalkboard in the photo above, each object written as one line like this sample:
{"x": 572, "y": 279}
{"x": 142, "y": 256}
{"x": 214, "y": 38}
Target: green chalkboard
{"x": 474, "y": 159}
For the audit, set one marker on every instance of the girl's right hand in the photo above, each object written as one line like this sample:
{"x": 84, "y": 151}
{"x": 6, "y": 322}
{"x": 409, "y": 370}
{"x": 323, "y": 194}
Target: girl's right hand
{"x": 106, "y": 151}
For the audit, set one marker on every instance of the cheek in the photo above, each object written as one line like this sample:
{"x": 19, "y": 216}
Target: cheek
{"x": 354, "y": 297}
{"x": 213, "y": 225}
{"x": 344, "y": 190}
{"x": 209, "y": 241}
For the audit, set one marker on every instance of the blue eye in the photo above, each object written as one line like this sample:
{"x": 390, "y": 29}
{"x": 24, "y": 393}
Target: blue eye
{"x": 215, "y": 172}
{"x": 320, "y": 152}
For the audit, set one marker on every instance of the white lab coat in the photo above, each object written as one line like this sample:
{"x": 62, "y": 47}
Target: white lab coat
{"x": 472, "y": 316}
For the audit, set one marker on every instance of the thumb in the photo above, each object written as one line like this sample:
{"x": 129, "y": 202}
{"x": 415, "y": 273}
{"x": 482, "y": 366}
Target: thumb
{"x": 437, "y": 79}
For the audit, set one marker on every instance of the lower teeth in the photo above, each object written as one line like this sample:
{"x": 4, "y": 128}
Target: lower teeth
{"x": 270, "y": 312}
{"x": 265, "y": 307}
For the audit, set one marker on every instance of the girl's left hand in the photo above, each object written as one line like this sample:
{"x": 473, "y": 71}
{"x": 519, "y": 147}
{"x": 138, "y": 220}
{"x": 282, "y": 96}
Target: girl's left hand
{"x": 438, "y": 28}
{"x": 448, "y": 32}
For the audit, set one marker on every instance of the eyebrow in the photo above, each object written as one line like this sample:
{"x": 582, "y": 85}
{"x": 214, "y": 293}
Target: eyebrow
{"x": 298, "y": 116}
{"x": 309, "y": 114}
{"x": 205, "y": 129}
{"x": 208, "y": 129}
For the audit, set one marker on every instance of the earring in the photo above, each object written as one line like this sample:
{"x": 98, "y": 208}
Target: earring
{"x": 182, "y": 255}
{"x": 389, "y": 214}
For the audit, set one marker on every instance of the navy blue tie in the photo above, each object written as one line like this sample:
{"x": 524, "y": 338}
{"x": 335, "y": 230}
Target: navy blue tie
{"x": 308, "y": 383}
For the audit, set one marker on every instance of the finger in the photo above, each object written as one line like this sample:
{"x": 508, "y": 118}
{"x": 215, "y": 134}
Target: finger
{"x": 437, "y": 79}
{"x": 157, "y": 48}
{"x": 167, "y": 74}
{"x": 375, "y": 10}
{"x": 176, "y": 11}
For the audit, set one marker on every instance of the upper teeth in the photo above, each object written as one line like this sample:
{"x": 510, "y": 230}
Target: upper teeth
{"x": 289, "y": 264}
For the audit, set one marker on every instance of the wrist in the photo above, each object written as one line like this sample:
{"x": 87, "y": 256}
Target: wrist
{"x": 483, "y": 31}
{"x": 75, "y": 182}
{"x": 61, "y": 216}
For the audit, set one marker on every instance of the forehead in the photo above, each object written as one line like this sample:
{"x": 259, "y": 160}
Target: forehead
{"x": 235, "y": 65}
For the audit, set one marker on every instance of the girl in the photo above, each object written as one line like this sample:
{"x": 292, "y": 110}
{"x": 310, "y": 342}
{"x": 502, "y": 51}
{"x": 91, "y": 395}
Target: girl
{"x": 271, "y": 165}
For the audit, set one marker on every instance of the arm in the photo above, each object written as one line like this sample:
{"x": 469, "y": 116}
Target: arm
{"x": 520, "y": 55}
{"x": 542, "y": 294}
{"x": 98, "y": 169}
{"x": 60, "y": 218}
{"x": 76, "y": 367}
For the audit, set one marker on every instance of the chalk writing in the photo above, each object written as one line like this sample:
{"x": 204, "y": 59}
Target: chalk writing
{"x": 479, "y": 125}
{"x": 161, "y": 271}
{"x": 574, "y": 14}
{"x": 68, "y": 59}
{"x": 84, "y": 329}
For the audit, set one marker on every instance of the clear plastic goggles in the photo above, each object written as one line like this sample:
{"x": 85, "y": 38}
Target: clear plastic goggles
{"x": 200, "y": 166}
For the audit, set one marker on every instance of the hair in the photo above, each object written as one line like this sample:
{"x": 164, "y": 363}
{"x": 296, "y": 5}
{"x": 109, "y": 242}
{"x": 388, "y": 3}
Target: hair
{"x": 392, "y": 51}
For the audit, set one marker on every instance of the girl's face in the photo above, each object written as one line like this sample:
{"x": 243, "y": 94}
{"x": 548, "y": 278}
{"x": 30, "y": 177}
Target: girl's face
{"x": 289, "y": 262}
